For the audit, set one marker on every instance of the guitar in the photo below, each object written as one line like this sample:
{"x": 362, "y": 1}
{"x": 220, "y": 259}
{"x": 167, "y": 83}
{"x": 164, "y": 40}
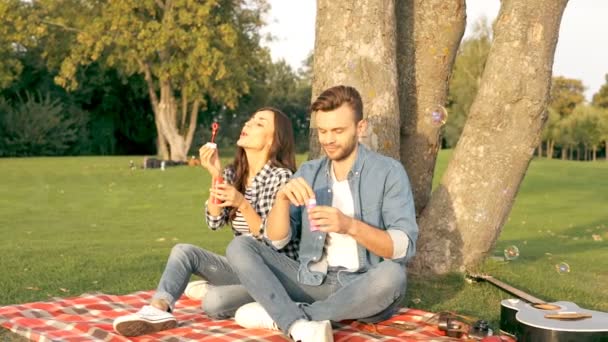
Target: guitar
{"x": 531, "y": 319}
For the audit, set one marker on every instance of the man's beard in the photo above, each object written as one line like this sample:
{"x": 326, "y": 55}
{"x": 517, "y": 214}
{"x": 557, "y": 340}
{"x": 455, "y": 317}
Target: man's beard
{"x": 343, "y": 152}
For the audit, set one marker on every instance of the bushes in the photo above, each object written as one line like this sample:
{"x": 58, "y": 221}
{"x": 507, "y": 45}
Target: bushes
{"x": 39, "y": 125}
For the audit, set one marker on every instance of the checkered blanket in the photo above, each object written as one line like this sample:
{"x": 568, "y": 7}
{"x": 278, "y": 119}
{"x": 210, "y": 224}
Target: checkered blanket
{"x": 89, "y": 318}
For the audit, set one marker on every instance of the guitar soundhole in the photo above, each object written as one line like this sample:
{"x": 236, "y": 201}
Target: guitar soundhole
{"x": 546, "y": 306}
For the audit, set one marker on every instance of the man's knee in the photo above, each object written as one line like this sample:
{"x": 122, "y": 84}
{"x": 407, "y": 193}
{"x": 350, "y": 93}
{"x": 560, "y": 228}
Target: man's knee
{"x": 390, "y": 278}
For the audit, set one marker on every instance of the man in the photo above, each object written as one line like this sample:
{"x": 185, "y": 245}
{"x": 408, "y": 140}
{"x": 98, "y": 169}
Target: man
{"x": 353, "y": 244}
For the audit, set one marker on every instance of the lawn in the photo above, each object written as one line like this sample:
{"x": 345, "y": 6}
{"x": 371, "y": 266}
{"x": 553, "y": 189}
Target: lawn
{"x": 75, "y": 225}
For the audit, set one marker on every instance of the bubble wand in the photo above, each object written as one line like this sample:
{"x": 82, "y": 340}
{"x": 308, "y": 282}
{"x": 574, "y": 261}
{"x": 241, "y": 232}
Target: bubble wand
{"x": 219, "y": 179}
{"x": 214, "y": 127}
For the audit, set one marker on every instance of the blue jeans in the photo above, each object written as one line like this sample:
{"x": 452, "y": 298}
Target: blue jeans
{"x": 222, "y": 300}
{"x": 271, "y": 279}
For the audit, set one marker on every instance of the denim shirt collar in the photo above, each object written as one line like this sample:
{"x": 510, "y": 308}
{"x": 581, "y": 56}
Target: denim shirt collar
{"x": 362, "y": 153}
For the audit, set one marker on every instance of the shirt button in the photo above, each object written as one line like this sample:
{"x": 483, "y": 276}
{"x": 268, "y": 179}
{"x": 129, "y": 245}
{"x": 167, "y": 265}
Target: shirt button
{"x": 328, "y": 190}
{"x": 320, "y": 237}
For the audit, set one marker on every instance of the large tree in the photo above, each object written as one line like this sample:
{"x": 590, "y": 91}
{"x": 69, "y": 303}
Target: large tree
{"x": 461, "y": 221}
{"x": 15, "y": 38}
{"x": 189, "y": 52}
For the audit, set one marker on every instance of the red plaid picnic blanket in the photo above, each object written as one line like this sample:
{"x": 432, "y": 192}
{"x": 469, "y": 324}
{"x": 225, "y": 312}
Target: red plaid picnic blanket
{"x": 89, "y": 317}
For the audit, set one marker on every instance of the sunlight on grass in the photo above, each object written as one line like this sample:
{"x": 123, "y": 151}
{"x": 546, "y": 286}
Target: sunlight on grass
{"x": 75, "y": 225}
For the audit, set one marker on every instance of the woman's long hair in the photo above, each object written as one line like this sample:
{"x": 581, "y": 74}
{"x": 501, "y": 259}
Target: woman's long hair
{"x": 281, "y": 154}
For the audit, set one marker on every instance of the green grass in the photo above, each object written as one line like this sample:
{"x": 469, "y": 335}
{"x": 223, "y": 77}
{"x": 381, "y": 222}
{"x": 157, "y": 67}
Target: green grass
{"x": 75, "y": 225}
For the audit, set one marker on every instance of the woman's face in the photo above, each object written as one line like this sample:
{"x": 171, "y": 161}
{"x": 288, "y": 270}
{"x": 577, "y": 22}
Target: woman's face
{"x": 258, "y": 131}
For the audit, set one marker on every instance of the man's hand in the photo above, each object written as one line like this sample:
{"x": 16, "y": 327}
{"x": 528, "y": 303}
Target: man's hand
{"x": 330, "y": 219}
{"x": 228, "y": 194}
{"x": 296, "y": 191}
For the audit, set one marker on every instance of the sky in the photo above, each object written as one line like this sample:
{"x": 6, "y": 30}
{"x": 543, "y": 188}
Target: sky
{"x": 581, "y": 53}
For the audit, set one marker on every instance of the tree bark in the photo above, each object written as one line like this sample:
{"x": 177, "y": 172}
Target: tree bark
{"x": 551, "y": 149}
{"x": 428, "y": 35}
{"x": 355, "y": 46}
{"x": 540, "y": 150}
{"x": 466, "y": 212}
{"x": 571, "y": 153}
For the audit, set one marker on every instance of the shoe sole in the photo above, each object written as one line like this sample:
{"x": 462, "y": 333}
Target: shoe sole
{"x": 138, "y": 328}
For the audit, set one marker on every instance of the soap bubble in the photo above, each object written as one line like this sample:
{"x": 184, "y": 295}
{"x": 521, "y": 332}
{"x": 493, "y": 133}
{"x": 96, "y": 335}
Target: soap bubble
{"x": 562, "y": 268}
{"x": 511, "y": 253}
{"x": 439, "y": 115}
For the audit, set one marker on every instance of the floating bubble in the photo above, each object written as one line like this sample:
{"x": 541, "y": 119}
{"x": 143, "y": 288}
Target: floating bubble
{"x": 511, "y": 253}
{"x": 562, "y": 268}
{"x": 439, "y": 115}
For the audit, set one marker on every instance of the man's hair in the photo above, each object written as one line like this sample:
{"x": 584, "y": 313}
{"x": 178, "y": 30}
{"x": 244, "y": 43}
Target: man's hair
{"x": 335, "y": 97}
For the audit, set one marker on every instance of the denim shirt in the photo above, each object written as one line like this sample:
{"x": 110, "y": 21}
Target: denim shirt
{"x": 382, "y": 198}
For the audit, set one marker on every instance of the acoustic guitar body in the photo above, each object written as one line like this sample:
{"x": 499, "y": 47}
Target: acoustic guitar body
{"x": 528, "y": 322}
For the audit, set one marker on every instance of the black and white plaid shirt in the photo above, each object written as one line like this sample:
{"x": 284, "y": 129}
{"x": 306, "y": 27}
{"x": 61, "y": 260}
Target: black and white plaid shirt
{"x": 260, "y": 194}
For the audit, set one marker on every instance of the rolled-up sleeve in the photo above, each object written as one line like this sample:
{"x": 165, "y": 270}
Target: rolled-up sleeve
{"x": 399, "y": 214}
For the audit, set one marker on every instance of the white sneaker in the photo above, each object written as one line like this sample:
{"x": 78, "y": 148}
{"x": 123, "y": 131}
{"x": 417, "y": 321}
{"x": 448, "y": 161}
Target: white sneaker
{"x": 147, "y": 320}
{"x": 254, "y": 316}
{"x": 311, "y": 331}
{"x": 197, "y": 290}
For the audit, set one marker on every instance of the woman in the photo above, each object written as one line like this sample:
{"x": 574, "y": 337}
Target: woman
{"x": 264, "y": 161}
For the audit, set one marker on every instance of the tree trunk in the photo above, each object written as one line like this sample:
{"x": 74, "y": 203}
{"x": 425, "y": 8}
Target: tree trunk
{"x": 564, "y": 152}
{"x": 465, "y": 215}
{"x": 162, "y": 149}
{"x": 551, "y": 149}
{"x": 540, "y": 150}
{"x": 571, "y": 153}
{"x": 606, "y": 150}
{"x": 594, "y": 153}
{"x": 168, "y": 123}
{"x": 355, "y": 46}
{"x": 428, "y": 36}
{"x": 170, "y": 143}
{"x": 586, "y": 152}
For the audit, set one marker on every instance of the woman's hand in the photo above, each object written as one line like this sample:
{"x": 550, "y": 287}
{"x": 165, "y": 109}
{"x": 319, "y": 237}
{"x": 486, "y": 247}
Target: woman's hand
{"x": 229, "y": 196}
{"x": 210, "y": 160}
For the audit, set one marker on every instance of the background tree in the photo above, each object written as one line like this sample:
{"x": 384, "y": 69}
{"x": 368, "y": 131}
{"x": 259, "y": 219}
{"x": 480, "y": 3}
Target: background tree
{"x": 551, "y": 131}
{"x": 189, "y": 53}
{"x": 465, "y": 80}
{"x": 464, "y": 216}
{"x": 600, "y": 99}
{"x": 566, "y": 94}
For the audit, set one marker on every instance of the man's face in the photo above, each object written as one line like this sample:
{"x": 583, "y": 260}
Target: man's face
{"x": 338, "y": 132}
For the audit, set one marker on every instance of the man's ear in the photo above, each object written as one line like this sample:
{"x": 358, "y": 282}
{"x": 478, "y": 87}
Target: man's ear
{"x": 362, "y": 128}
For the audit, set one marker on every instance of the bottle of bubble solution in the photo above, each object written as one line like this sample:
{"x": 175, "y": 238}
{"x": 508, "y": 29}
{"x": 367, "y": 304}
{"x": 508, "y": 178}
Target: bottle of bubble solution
{"x": 311, "y": 203}
{"x": 219, "y": 179}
